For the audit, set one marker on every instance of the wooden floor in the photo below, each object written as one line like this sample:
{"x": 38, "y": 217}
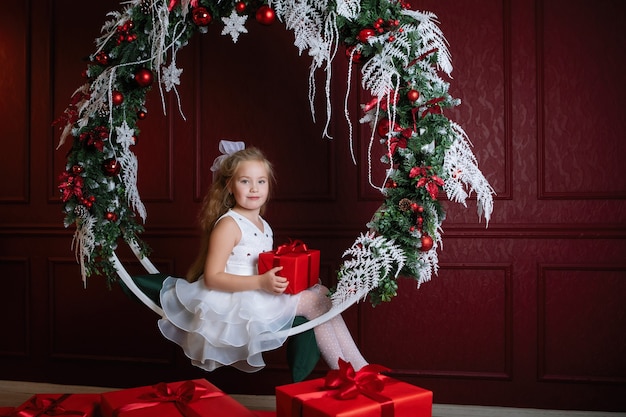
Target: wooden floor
{"x": 14, "y": 393}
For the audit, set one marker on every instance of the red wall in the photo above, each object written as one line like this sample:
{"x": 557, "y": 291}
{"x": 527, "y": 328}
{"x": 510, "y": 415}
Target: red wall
{"x": 528, "y": 312}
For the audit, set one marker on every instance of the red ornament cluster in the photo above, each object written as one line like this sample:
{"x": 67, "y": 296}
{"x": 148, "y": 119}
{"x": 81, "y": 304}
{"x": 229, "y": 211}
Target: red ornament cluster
{"x": 124, "y": 32}
{"x": 406, "y": 205}
{"x": 102, "y": 58}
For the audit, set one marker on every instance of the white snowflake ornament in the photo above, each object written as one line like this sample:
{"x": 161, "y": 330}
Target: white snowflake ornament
{"x": 171, "y": 76}
{"x": 125, "y": 135}
{"x": 234, "y": 25}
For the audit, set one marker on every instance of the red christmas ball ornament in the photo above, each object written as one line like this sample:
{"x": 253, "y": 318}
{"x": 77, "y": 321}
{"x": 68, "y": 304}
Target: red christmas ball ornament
{"x": 77, "y": 169}
{"x": 413, "y": 95}
{"x": 201, "y": 16}
{"x": 144, "y": 77}
{"x": 142, "y": 114}
{"x": 112, "y": 217}
{"x": 88, "y": 202}
{"x": 240, "y": 7}
{"x": 365, "y": 34}
{"x": 117, "y": 98}
{"x": 383, "y": 127}
{"x": 112, "y": 167}
{"x": 265, "y": 15}
{"x": 427, "y": 243}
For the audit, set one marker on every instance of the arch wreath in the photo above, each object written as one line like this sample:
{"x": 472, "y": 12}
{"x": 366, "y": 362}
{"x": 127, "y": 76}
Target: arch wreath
{"x": 399, "y": 53}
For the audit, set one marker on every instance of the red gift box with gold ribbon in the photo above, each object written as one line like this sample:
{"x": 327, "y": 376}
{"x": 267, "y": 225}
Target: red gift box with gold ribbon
{"x": 346, "y": 393}
{"x": 44, "y": 405}
{"x": 301, "y": 265}
{"x": 192, "y": 398}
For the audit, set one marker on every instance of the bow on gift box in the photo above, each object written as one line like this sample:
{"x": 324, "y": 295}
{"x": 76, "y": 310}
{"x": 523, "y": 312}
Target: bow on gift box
{"x": 368, "y": 381}
{"x": 181, "y": 397}
{"x": 39, "y": 406}
{"x": 349, "y": 383}
{"x": 295, "y": 246}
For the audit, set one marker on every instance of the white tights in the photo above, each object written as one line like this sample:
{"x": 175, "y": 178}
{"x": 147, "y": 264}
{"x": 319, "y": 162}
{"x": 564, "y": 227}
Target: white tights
{"x": 333, "y": 337}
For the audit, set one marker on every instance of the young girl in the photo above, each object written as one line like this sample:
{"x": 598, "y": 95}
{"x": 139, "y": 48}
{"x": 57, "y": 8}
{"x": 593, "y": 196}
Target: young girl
{"x": 225, "y": 313}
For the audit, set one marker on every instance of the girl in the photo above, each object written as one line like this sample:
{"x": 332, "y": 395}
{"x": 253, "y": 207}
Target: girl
{"x": 225, "y": 313}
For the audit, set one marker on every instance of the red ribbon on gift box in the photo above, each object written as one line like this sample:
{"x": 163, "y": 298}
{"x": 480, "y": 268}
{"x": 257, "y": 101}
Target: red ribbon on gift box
{"x": 181, "y": 397}
{"x": 40, "y": 406}
{"x": 295, "y": 246}
{"x": 347, "y": 384}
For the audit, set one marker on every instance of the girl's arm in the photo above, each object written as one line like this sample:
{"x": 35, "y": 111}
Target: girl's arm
{"x": 224, "y": 237}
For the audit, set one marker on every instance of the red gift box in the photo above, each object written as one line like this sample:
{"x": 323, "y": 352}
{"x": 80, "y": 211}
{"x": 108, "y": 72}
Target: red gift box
{"x": 6, "y": 411}
{"x": 301, "y": 265}
{"x": 44, "y": 405}
{"x": 362, "y": 394}
{"x": 193, "y": 398}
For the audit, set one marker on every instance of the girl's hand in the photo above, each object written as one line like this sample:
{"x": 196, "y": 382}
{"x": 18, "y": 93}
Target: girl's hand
{"x": 272, "y": 283}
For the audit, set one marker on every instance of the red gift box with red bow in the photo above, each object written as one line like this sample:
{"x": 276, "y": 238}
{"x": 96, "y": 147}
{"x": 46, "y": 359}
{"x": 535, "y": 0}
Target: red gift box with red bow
{"x": 192, "y": 398}
{"x": 44, "y": 405}
{"x": 301, "y": 265}
{"x": 346, "y": 393}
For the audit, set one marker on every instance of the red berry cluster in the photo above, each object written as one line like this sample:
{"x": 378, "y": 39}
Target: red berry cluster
{"x": 124, "y": 32}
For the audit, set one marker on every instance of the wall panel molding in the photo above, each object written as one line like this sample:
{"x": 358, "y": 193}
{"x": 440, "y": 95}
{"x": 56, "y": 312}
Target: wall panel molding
{"x": 579, "y": 151}
{"x": 581, "y": 308}
{"x": 91, "y": 323}
{"x": 331, "y": 230}
{"x": 15, "y": 280}
{"x": 487, "y": 353}
{"x": 15, "y": 105}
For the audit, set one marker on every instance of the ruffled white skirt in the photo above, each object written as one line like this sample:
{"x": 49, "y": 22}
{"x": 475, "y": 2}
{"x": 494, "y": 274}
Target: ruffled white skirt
{"x": 217, "y": 328}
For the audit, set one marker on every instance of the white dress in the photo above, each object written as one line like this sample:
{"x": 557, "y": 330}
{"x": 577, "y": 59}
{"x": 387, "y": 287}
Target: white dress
{"x": 217, "y": 328}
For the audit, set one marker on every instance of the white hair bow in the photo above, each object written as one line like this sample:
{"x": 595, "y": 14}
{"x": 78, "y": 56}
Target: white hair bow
{"x": 227, "y": 148}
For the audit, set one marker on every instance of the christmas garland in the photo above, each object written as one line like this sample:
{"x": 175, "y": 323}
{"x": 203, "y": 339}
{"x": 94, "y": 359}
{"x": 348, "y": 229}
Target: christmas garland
{"x": 399, "y": 53}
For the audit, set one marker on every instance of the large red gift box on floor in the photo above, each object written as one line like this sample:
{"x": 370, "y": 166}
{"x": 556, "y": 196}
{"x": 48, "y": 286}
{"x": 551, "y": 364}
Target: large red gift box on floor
{"x": 44, "y": 405}
{"x": 193, "y": 398}
{"x": 313, "y": 398}
{"x": 301, "y": 265}
{"x": 6, "y": 411}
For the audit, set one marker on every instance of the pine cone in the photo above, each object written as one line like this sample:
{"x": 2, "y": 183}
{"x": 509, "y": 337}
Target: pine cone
{"x": 404, "y": 204}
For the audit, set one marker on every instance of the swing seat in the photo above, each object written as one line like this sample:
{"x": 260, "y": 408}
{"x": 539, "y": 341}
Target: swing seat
{"x": 302, "y": 351}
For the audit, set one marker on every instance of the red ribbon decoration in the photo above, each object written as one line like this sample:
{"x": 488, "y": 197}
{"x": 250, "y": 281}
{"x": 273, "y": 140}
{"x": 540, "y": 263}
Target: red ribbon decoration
{"x": 187, "y": 393}
{"x": 419, "y": 58}
{"x": 349, "y": 383}
{"x": 39, "y": 406}
{"x": 295, "y": 246}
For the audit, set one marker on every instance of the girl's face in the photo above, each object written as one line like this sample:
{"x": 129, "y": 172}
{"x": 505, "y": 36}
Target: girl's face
{"x": 250, "y": 185}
